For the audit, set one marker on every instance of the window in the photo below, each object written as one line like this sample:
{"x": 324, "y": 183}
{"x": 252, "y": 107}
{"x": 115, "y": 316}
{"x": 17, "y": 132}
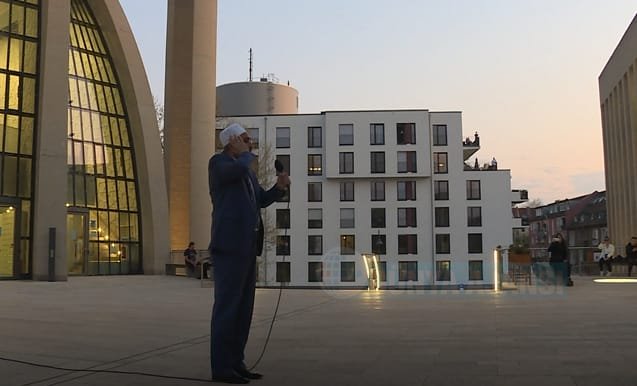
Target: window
{"x": 377, "y": 134}
{"x": 315, "y": 218}
{"x": 346, "y": 134}
{"x": 382, "y": 270}
{"x": 314, "y": 136}
{"x": 377, "y": 162}
{"x": 315, "y": 271}
{"x": 443, "y": 270}
{"x": 282, "y": 137}
{"x": 440, "y": 163}
{"x": 475, "y": 242}
{"x": 285, "y": 197}
{"x": 442, "y": 217}
{"x": 253, "y": 132}
{"x": 347, "y": 217}
{"x": 406, "y": 190}
{"x": 406, "y": 162}
{"x": 348, "y": 244}
{"x": 379, "y": 244}
{"x": 346, "y": 163}
{"x": 406, "y": 217}
{"x": 378, "y": 217}
{"x": 314, "y": 192}
{"x": 315, "y": 245}
{"x": 473, "y": 190}
{"x": 474, "y": 216}
{"x": 347, "y": 191}
{"x": 283, "y": 271}
{"x": 440, "y": 135}
{"x": 348, "y": 271}
{"x": 407, "y": 244}
{"x": 283, "y": 218}
{"x": 283, "y": 245}
{"x": 443, "y": 243}
{"x": 475, "y": 270}
{"x": 441, "y": 190}
{"x": 377, "y": 191}
{"x": 285, "y": 161}
{"x": 405, "y": 133}
{"x": 314, "y": 165}
{"x": 407, "y": 271}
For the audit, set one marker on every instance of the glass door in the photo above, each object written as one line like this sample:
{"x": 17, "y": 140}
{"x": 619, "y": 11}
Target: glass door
{"x": 7, "y": 240}
{"x": 76, "y": 242}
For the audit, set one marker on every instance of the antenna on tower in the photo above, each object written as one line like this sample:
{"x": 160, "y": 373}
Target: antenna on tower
{"x": 250, "y": 64}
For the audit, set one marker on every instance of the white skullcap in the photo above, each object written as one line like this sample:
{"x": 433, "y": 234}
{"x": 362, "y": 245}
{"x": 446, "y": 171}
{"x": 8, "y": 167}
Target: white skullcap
{"x": 233, "y": 130}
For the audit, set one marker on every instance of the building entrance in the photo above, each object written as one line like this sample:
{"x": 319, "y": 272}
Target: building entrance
{"x": 8, "y": 255}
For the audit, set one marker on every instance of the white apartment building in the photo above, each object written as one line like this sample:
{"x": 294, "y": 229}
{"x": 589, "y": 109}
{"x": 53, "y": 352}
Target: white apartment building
{"x": 395, "y": 183}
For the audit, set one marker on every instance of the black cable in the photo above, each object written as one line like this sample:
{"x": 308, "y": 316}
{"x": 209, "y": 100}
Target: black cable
{"x": 103, "y": 371}
{"x": 276, "y": 309}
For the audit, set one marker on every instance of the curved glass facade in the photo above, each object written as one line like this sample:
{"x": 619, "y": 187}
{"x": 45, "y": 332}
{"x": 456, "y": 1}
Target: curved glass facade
{"x": 19, "y": 38}
{"x": 101, "y": 164}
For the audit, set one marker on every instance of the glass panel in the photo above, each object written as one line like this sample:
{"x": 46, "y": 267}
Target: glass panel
{"x": 28, "y": 95}
{"x": 30, "y": 57}
{"x": 24, "y": 177}
{"x": 9, "y": 176}
{"x": 3, "y": 91}
{"x": 15, "y": 54}
{"x": 75, "y": 242}
{"x": 7, "y": 240}
{"x": 31, "y": 28}
{"x": 17, "y": 19}
{"x": 115, "y": 131}
{"x": 91, "y": 191}
{"x": 101, "y": 193}
{"x": 14, "y": 90}
{"x": 4, "y": 17}
{"x": 11, "y": 134}
{"x": 121, "y": 193}
{"x": 26, "y": 136}
{"x": 4, "y": 47}
{"x": 134, "y": 232}
{"x": 124, "y": 131}
{"x": 128, "y": 164}
{"x": 112, "y": 193}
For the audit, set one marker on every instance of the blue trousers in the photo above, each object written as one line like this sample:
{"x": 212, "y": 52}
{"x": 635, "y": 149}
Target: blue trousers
{"x": 234, "y": 282}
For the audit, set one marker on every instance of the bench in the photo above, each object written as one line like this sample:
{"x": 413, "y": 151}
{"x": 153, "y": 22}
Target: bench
{"x": 175, "y": 269}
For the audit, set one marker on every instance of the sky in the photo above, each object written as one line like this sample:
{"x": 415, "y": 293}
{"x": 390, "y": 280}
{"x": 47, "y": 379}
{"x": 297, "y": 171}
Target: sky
{"x": 523, "y": 72}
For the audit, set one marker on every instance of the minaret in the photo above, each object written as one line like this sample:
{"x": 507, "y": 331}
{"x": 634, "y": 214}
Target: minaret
{"x": 191, "y": 45}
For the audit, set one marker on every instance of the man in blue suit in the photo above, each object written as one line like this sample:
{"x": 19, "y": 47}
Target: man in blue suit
{"x": 237, "y": 199}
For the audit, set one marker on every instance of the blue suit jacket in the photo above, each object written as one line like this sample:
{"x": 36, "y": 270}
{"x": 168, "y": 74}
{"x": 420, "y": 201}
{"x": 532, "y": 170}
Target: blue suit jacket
{"x": 235, "y": 214}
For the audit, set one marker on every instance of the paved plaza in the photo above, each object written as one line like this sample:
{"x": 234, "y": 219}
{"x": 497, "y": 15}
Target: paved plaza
{"x": 584, "y": 335}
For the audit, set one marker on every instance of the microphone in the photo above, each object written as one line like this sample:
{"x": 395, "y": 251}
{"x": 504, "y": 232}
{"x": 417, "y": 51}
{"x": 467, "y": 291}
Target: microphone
{"x": 278, "y": 165}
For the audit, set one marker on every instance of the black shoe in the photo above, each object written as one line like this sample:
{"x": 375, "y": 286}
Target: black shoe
{"x": 245, "y": 373}
{"x": 233, "y": 378}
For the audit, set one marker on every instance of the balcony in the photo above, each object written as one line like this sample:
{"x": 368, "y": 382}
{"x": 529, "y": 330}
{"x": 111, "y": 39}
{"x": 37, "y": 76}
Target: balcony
{"x": 519, "y": 196}
{"x": 470, "y": 147}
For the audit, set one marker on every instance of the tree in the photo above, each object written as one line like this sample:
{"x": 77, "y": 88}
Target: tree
{"x": 159, "y": 113}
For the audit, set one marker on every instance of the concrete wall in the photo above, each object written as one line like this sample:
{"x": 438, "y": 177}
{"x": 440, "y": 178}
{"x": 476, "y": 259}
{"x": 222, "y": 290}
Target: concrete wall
{"x": 49, "y": 210}
{"x": 618, "y": 103}
{"x": 256, "y": 98}
{"x": 190, "y": 117}
{"x": 144, "y": 130}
